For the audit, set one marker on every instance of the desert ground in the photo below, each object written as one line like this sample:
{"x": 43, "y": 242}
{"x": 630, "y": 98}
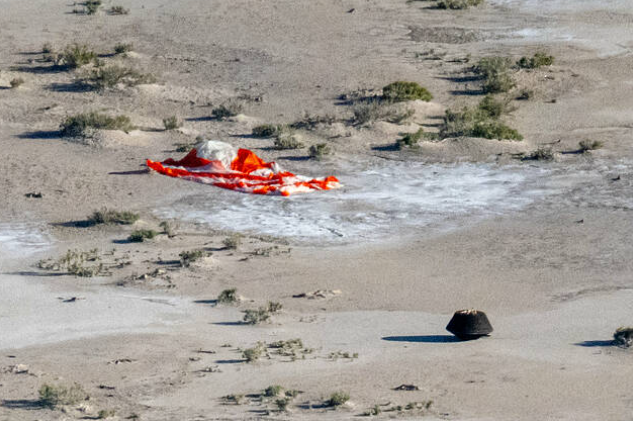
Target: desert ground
{"x": 368, "y": 275}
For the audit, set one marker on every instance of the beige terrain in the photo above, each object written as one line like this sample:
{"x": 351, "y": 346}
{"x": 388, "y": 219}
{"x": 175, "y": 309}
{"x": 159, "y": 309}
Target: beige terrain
{"x": 544, "y": 248}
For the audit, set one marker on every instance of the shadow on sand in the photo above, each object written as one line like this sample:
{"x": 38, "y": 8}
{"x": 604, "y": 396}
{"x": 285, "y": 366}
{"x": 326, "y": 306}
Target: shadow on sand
{"x": 429, "y": 339}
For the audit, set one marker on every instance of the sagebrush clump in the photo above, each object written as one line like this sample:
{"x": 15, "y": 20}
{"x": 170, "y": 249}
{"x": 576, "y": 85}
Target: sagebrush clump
{"x": 270, "y": 130}
{"x": 108, "y": 77}
{"x": 589, "y": 145}
{"x": 119, "y": 10}
{"x": 172, "y": 123}
{"x": 188, "y": 257}
{"x": 111, "y": 216}
{"x": 255, "y": 353}
{"x": 337, "y": 399}
{"x": 319, "y": 150}
{"x": 262, "y": 314}
{"x": 539, "y": 59}
{"x": 287, "y": 140}
{"x": 230, "y": 108}
{"x": 495, "y": 73}
{"x": 122, "y": 48}
{"x": 410, "y": 139}
{"x": 228, "y": 296}
{"x": 405, "y": 91}
{"x": 138, "y": 236}
{"x": 458, "y": 4}
{"x": 84, "y": 125}
{"x": 76, "y": 56}
{"x": 57, "y": 395}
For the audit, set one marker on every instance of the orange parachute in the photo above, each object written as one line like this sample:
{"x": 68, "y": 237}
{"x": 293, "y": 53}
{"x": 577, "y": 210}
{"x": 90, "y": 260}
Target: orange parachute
{"x": 219, "y": 164}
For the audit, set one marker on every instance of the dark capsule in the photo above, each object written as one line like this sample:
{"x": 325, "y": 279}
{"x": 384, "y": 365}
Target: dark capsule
{"x": 469, "y": 324}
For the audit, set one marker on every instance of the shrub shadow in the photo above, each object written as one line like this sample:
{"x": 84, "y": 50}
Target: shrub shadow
{"x": 41, "y": 134}
{"x": 29, "y": 404}
{"x": 592, "y": 344}
{"x": 423, "y": 339}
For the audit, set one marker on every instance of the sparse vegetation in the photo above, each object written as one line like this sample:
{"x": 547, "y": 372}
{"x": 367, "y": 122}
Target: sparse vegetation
{"x": 172, "y": 123}
{"x": 228, "y": 296}
{"x": 345, "y": 355}
{"x": 138, "y": 236}
{"x": 458, "y": 4}
{"x": 273, "y": 391}
{"x": 47, "y": 48}
{"x": 337, "y": 399}
{"x": 119, "y": 10}
{"x": 319, "y": 150}
{"x": 84, "y": 125}
{"x": 589, "y": 145}
{"x": 370, "y": 110}
{"x": 102, "y": 78}
{"x": 79, "y": 263}
{"x": 232, "y": 242}
{"x": 169, "y": 228}
{"x": 310, "y": 122}
{"x": 16, "y": 82}
{"x": 373, "y": 411}
{"x": 399, "y": 117}
{"x": 495, "y": 72}
{"x": 270, "y": 130}
{"x": 287, "y": 140}
{"x": 235, "y": 399}
{"x": 539, "y": 59}
{"x": 282, "y": 404}
{"x": 255, "y": 353}
{"x": 410, "y": 139}
{"x": 292, "y": 348}
{"x": 623, "y": 337}
{"x": 230, "y": 108}
{"x": 76, "y": 56}
{"x": 492, "y": 107}
{"x": 262, "y": 314}
{"x": 122, "y": 48}
{"x": 111, "y": 216}
{"x": 92, "y": 6}
{"x": 59, "y": 395}
{"x": 405, "y": 91}
{"x": 540, "y": 154}
{"x": 106, "y": 413}
{"x": 525, "y": 95}
{"x": 188, "y": 257}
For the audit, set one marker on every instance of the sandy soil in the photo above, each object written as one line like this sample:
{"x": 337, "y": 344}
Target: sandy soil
{"x": 543, "y": 247}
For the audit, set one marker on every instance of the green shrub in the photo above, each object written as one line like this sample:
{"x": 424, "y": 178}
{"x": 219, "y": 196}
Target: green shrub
{"x": 270, "y": 130}
{"x": 106, "y": 413}
{"x": 493, "y": 129}
{"x": 102, "y": 78}
{"x": 47, "y": 48}
{"x": 236, "y": 399}
{"x": 188, "y": 257}
{"x": 172, "y": 123}
{"x": 233, "y": 241}
{"x": 539, "y": 59}
{"x": 228, "y": 296}
{"x": 255, "y": 353}
{"x": 92, "y": 6}
{"x": 337, "y": 399}
{"x": 541, "y": 154}
{"x": 75, "y": 56}
{"x": 589, "y": 145}
{"x": 319, "y": 150}
{"x": 282, "y": 404}
{"x": 273, "y": 391}
{"x": 495, "y": 72}
{"x": 623, "y": 337}
{"x": 110, "y": 216}
{"x": 122, "y": 48}
{"x": 58, "y": 395}
{"x": 410, "y": 139}
{"x": 82, "y": 125}
{"x": 458, "y": 4}
{"x": 262, "y": 314}
{"x": 369, "y": 110}
{"x": 75, "y": 262}
{"x": 138, "y": 236}
{"x": 405, "y": 91}
{"x": 16, "y": 82}
{"x": 228, "y": 109}
{"x": 285, "y": 140}
{"x": 493, "y": 108}
{"x": 475, "y": 122}
{"x": 119, "y": 10}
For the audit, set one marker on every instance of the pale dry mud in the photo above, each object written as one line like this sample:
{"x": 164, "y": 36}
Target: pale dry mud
{"x": 543, "y": 248}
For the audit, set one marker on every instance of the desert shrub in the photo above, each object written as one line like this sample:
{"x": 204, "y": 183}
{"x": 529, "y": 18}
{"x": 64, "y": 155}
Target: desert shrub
{"x": 79, "y": 263}
{"x": 539, "y": 59}
{"x": 172, "y": 123}
{"x": 273, "y": 391}
{"x": 230, "y": 108}
{"x": 57, "y": 395}
{"x": 405, "y": 91}
{"x": 289, "y": 348}
{"x": 493, "y": 107}
{"x": 273, "y": 307}
{"x": 475, "y": 122}
{"x": 623, "y": 337}
{"x": 495, "y": 72}
{"x": 47, "y": 48}
{"x": 236, "y": 399}
{"x": 368, "y": 111}
{"x": 310, "y": 122}
{"x": 282, "y": 404}
{"x": 410, "y": 139}
{"x": 373, "y": 411}
{"x": 138, "y": 236}
{"x": 399, "y": 117}
{"x": 337, "y": 399}
{"x": 92, "y": 6}
{"x": 76, "y": 55}
{"x": 228, "y": 296}
{"x": 119, "y": 10}
{"x": 458, "y": 4}
{"x": 102, "y": 78}
{"x": 494, "y": 129}
{"x": 255, "y": 353}
{"x": 232, "y": 242}
{"x": 188, "y": 257}
{"x": 169, "y": 228}
{"x": 106, "y": 413}
{"x": 16, "y": 82}
{"x": 270, "y": 130}
{"x": 286, "y": 140}
{"x": 82, "y": 125}
{"x": 111, "y": 216}
{"x": 122, "y": 48}
{"x": 541, "y": 154}
{"x": 589, "y": 145}
{"x": 262, "y": 314}
{"x": 319, "y": 150}
{"x": 525, "y": 95}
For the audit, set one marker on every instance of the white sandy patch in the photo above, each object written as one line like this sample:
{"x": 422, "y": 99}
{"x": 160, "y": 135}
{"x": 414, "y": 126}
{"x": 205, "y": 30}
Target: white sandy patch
{"x": 22, "y": 239}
